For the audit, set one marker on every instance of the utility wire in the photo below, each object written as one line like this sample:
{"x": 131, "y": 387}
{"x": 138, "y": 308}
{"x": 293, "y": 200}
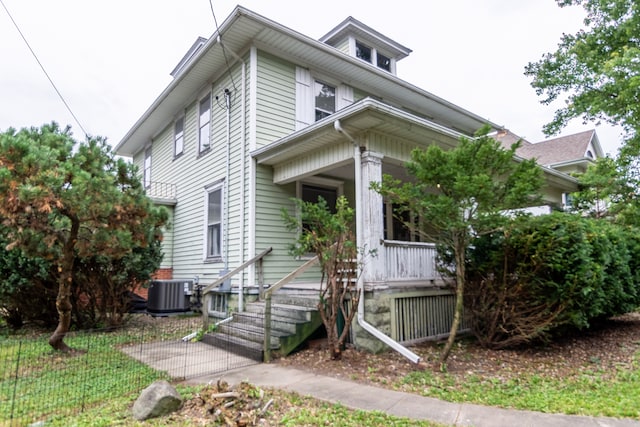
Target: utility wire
{"x": 224, "y": 51}
{"x": 44, "y": 70}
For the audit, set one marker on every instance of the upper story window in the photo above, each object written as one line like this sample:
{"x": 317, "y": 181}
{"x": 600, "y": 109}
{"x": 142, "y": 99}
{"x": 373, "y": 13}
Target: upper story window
{"x": 363, "y": 52}
{"x": 147, "y": 168}
{"x": 178, "y": 137}
{"x": 204, "y": 123}
{"x": 325, "y": 100}
{"x": 214, "y": 223}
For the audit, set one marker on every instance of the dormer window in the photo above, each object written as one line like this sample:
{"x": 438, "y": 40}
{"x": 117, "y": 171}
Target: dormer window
{"x": 363, "y": 52}
{"x": 384, "y": 62}
{"x": 372, "y": 56}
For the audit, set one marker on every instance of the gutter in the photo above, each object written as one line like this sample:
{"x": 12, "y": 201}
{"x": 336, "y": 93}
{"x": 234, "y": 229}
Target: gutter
{"x": 357, "y": 158}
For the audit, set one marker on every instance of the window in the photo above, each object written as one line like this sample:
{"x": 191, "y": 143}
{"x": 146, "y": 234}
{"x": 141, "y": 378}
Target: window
{"x": 325, "y": 100}
{"x": 214, "y": 223}
{"x": 396, "y": 222}
{"x": 178, "y": 137}
{"x": 310, "y": 193}
{"x": 147, "y": 168}
{"x": 363, "y": 52}
{"x": 383, "y": 62}
{"x": 204, "y": 121}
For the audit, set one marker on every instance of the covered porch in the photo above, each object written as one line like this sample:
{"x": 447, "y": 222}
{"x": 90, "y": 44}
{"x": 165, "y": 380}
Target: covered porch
{"x": 342, "y": 155}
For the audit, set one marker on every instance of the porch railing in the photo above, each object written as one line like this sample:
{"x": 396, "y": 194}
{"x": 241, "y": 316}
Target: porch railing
{"x": 206, "y": 291}
{"x": 410, "y": 260}
{"x": 162, "y": 190}
{"x": 267, "y": 299}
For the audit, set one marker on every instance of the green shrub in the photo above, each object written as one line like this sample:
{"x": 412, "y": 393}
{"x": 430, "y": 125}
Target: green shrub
{"x": 542, "y": 275}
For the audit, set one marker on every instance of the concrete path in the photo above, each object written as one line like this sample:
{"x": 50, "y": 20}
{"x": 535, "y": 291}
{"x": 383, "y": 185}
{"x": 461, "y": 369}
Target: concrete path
{"x": 196, "y": 361}
{"x": 360, "y": 396}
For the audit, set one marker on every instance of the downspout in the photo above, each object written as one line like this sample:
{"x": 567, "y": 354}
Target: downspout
{"x": 357, "y": 158}
{"x": 242, "y": 172}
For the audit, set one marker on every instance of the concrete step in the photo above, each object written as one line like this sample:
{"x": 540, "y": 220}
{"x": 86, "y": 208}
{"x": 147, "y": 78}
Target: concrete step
{"x": 235, "y": 345}
{"x": 250, "y": 333}
{"x": 282, "y": 324}
{"x": 283, "y": 310}
{"x": 296, "y": 299}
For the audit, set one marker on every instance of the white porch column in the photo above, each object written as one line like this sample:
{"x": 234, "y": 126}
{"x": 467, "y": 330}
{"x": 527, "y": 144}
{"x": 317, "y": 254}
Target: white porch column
{"x": 372, "y": 218}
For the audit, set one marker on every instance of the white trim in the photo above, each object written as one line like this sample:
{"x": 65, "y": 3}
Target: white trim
{"x": 208, "y": 189}
{"x": 253, "y": 108}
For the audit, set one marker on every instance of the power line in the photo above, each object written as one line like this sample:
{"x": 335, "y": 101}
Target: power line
{"x": 44, "y": 70}
{"x": 224, "y": 51}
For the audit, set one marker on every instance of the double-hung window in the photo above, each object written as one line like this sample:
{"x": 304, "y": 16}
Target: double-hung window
{"x": 147, "y": 168}
{"x": 204, "y": 122}
{"x": 178, "y": 137}
{"x": 214, "y": 223}
{"x": 325, "y": 96}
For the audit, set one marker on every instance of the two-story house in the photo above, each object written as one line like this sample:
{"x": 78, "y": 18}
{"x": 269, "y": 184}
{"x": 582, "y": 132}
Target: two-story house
{"x": 259, "y": 114}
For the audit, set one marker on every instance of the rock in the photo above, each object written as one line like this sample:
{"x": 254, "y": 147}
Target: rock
{"x": 157, "y": 400}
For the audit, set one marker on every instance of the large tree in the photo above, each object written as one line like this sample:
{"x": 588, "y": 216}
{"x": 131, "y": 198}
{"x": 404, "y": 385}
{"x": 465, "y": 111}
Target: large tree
{"x": 597, "y": 69}
{"x": 62, "y": 200}
{"x": 460, "y": 194}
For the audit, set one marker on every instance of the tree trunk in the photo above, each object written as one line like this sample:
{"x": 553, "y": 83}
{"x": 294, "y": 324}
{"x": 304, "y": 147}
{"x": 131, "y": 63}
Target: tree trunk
{"x": 459, "y": 253}
{"x": 65, "y": 280}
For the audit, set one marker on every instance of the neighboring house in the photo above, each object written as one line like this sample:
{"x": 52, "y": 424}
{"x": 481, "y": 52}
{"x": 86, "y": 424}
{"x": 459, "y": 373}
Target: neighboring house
{"x": 259, "y": 114}
{"x": 571, "y": 154}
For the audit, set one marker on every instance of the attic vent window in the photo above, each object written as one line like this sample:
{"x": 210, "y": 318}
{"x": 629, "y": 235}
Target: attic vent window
{"x": 384, "y": 62}
{"x": 363, "y": 52}
{"x": 590, "y": 154}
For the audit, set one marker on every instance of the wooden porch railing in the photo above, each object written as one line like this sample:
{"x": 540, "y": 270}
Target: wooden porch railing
{"x": 207, "y": 289}
{"x": 410, "y": 260}
{"x": 267, "y": 306}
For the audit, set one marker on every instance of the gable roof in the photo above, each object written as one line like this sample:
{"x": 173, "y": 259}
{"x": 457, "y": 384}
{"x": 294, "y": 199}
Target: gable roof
{"x": 555, "y": 152}
{"x": 244, "y": 28}
{"x": 563, "y": 149}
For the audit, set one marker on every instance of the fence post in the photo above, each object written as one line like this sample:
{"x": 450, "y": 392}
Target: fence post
{"x": 267, "y": 329}
{"x": 260, "y": 280}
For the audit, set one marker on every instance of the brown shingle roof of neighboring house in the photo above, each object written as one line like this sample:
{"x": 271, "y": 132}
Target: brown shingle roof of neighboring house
{"x": 560, "y": 150}
{"x": 557, "y": 151}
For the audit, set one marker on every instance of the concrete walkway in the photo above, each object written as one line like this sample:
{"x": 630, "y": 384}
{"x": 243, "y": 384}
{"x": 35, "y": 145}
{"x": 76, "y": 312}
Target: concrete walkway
{"x": 360, "y": 396}
{"x": 195, "y": 360}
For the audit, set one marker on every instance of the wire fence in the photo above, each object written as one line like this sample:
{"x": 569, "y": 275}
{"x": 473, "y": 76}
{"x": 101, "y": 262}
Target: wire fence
{"x": 38, "y": 384}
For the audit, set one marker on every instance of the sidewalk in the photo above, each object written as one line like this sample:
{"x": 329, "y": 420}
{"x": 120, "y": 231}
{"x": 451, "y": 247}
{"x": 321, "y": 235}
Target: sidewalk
{"x": 360, "y": 396}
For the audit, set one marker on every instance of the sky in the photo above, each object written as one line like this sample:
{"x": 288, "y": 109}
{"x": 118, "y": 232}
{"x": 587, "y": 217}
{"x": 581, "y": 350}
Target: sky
{"x": 111, "y": 59}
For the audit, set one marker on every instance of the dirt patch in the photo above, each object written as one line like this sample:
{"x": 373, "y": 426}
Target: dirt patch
{"x": 606, "y": 347}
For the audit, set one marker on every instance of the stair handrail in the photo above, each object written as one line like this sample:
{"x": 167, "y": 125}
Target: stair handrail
{"x": 266, "y": 348}
{"x": 220, "y": 280}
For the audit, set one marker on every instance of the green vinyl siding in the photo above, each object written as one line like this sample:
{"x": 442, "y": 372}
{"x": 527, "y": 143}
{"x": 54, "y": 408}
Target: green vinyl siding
{"x": 167, "y": 241}
{"x": 193, "y": 171}
{"x": 270, "y": 228}
{"x": 275, "y": 104}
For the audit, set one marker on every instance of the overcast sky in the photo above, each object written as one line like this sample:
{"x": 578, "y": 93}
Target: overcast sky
{"x": 111, "y": 59}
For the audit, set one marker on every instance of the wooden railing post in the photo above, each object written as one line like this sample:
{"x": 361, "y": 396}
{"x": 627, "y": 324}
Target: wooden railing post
{"x": 267, "y": 329}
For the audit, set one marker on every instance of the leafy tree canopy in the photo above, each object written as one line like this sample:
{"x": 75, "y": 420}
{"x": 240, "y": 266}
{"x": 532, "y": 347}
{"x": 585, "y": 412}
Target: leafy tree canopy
{"x": 598, "y": 68}
{"x": 462, "y": 193}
